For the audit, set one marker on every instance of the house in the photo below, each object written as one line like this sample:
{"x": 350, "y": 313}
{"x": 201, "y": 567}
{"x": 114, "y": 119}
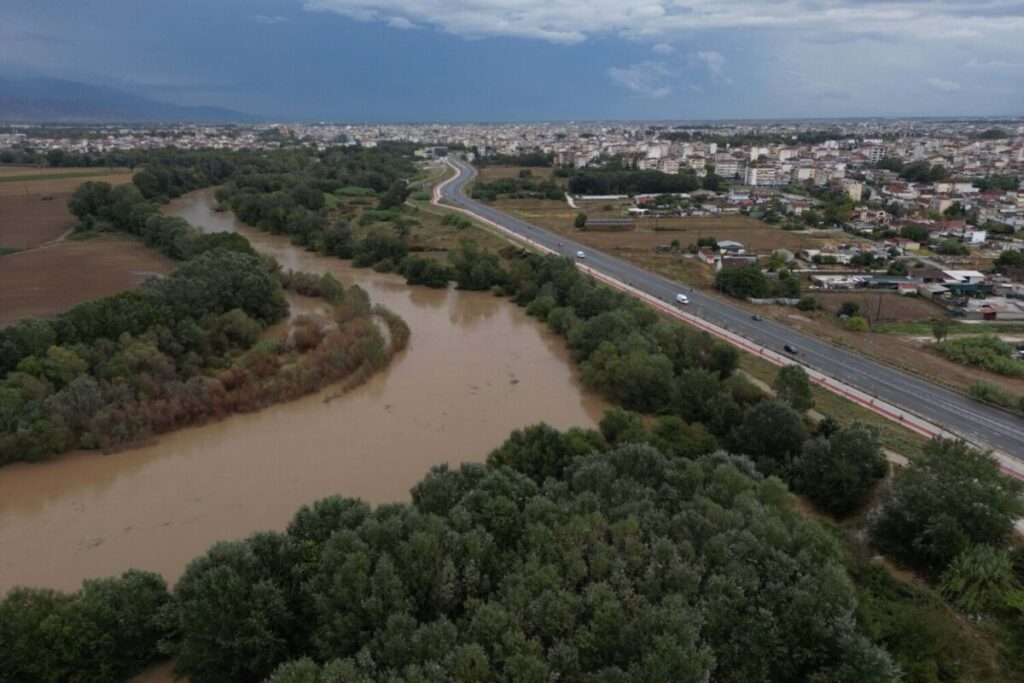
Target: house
{"x": 739, "y": 260}
{"x": 705, "y": 255}
{"x": 969, "y": 277}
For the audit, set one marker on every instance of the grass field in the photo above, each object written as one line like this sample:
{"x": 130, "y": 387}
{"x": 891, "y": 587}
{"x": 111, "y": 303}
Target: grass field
{"x": 45, "y": 281}
{"x": 489, "y": 173}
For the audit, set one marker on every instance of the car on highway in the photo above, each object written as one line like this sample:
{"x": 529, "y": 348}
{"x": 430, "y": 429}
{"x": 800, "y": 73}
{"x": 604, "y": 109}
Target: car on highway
{"x": 682, "y": 299}
{"x": 755, "y": 317}
{"x": 580, "y": 254}
{"x": 790, "y": 349}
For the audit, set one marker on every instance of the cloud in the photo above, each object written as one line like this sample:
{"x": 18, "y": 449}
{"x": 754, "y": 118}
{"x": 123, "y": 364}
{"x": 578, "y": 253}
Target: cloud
{"x": 995, "y": 64}
{"x": 574, "y": 21}
{"x": 646, "y": 79}
{"x": 400, "y": 22}
{"x": 714, "y": 61}
{"x": 663, "y": 49}
{"x": 264, "y": 19}
{"x": 941, "y": 85}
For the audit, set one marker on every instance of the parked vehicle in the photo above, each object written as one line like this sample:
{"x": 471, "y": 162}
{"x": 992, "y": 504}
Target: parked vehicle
{"x": 682, "y": 299}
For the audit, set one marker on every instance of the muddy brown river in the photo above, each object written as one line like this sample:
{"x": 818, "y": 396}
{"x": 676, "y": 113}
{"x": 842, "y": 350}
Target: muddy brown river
{"x": 476, "y": 368}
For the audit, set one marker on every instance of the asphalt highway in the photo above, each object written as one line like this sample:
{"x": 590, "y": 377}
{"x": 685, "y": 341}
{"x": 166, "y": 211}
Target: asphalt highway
{"x": 976, "y": 422}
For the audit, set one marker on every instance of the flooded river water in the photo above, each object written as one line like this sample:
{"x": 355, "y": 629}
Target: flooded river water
{"x": 476, "y": 368}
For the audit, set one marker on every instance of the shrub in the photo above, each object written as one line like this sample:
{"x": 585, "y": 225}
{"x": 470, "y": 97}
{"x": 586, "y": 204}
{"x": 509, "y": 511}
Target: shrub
{"x": 996, "y": 395}
{"x": 849, "y": 309}
{"x": 807, "y": 303}
{"x": 857, "y": 323}
{"x": 984, "y": 351}
{"x": 979, "y": 579}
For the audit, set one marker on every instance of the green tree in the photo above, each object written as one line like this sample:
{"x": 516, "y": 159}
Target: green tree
{"x": 233, "y": 612}
{"x": 395, "y": 195}
{"x": 475, "y": 268}
{"x": 837, "y": 472}
{"x": 581, "y": 221}
{"x": 541, "y": 451}
{"x": 794, "y": 387}
{"x": 772, "y": 434}
{"x": 915, "y": 232}
{"x": 944, "y": 502}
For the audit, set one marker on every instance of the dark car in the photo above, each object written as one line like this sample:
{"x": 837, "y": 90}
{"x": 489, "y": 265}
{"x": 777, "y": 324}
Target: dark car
{"x": 755, "y": 317}
{"x": 790, "y": 349}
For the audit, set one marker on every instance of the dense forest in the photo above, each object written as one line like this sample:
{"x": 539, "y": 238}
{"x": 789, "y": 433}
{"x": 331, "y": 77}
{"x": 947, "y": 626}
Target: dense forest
{"x": 586, "y": 555}
{"x": 613, "y": 180}
{"x": 526, "y": 186}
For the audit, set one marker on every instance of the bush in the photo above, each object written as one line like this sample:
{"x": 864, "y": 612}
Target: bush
{"x": 996, "y": 395}
{"x": 849, "y": 309}
{"x": 807, "y": 303}
{"x": 420, "y": 270}
{"x": 857, "y": 323}
{"x": 979, "y": 579}
{"x": 581, "y": 221}
{"x": 983, "y": 351}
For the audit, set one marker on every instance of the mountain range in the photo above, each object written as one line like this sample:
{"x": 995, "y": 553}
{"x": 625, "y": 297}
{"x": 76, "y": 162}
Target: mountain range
{"x": 52, "y": 100}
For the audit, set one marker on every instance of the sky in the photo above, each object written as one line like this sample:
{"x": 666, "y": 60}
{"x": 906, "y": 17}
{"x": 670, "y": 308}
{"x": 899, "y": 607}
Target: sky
{"x": 534, "y": 60}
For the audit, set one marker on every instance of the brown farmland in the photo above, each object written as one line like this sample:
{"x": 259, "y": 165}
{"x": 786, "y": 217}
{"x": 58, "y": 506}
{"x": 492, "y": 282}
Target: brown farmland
{"x": 45, "y": 281}
{"x": 27, "y": 222}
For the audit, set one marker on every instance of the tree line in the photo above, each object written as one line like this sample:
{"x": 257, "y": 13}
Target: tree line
{"x": 627, "y": 564}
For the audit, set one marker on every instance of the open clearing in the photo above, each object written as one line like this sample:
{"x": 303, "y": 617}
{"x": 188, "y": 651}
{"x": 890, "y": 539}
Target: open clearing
{"x": 45, "y": 281}
{"x": 880, "y": 305}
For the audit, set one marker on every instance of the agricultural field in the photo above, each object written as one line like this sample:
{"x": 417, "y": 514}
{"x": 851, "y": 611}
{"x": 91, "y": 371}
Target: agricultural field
{"x": 46, "y": 273}
{"x": 26, "y": 219}
{"x": 29, "y": 180}
{"x": 45, "y": 281}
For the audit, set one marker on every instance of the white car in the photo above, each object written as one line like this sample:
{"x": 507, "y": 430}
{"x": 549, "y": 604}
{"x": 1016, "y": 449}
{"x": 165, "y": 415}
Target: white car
{"x": 682, "y": 299}
{"x": 580, "y": 254}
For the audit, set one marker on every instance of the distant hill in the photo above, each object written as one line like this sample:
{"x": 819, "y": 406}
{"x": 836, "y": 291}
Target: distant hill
{"x": 50, "y": 100}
